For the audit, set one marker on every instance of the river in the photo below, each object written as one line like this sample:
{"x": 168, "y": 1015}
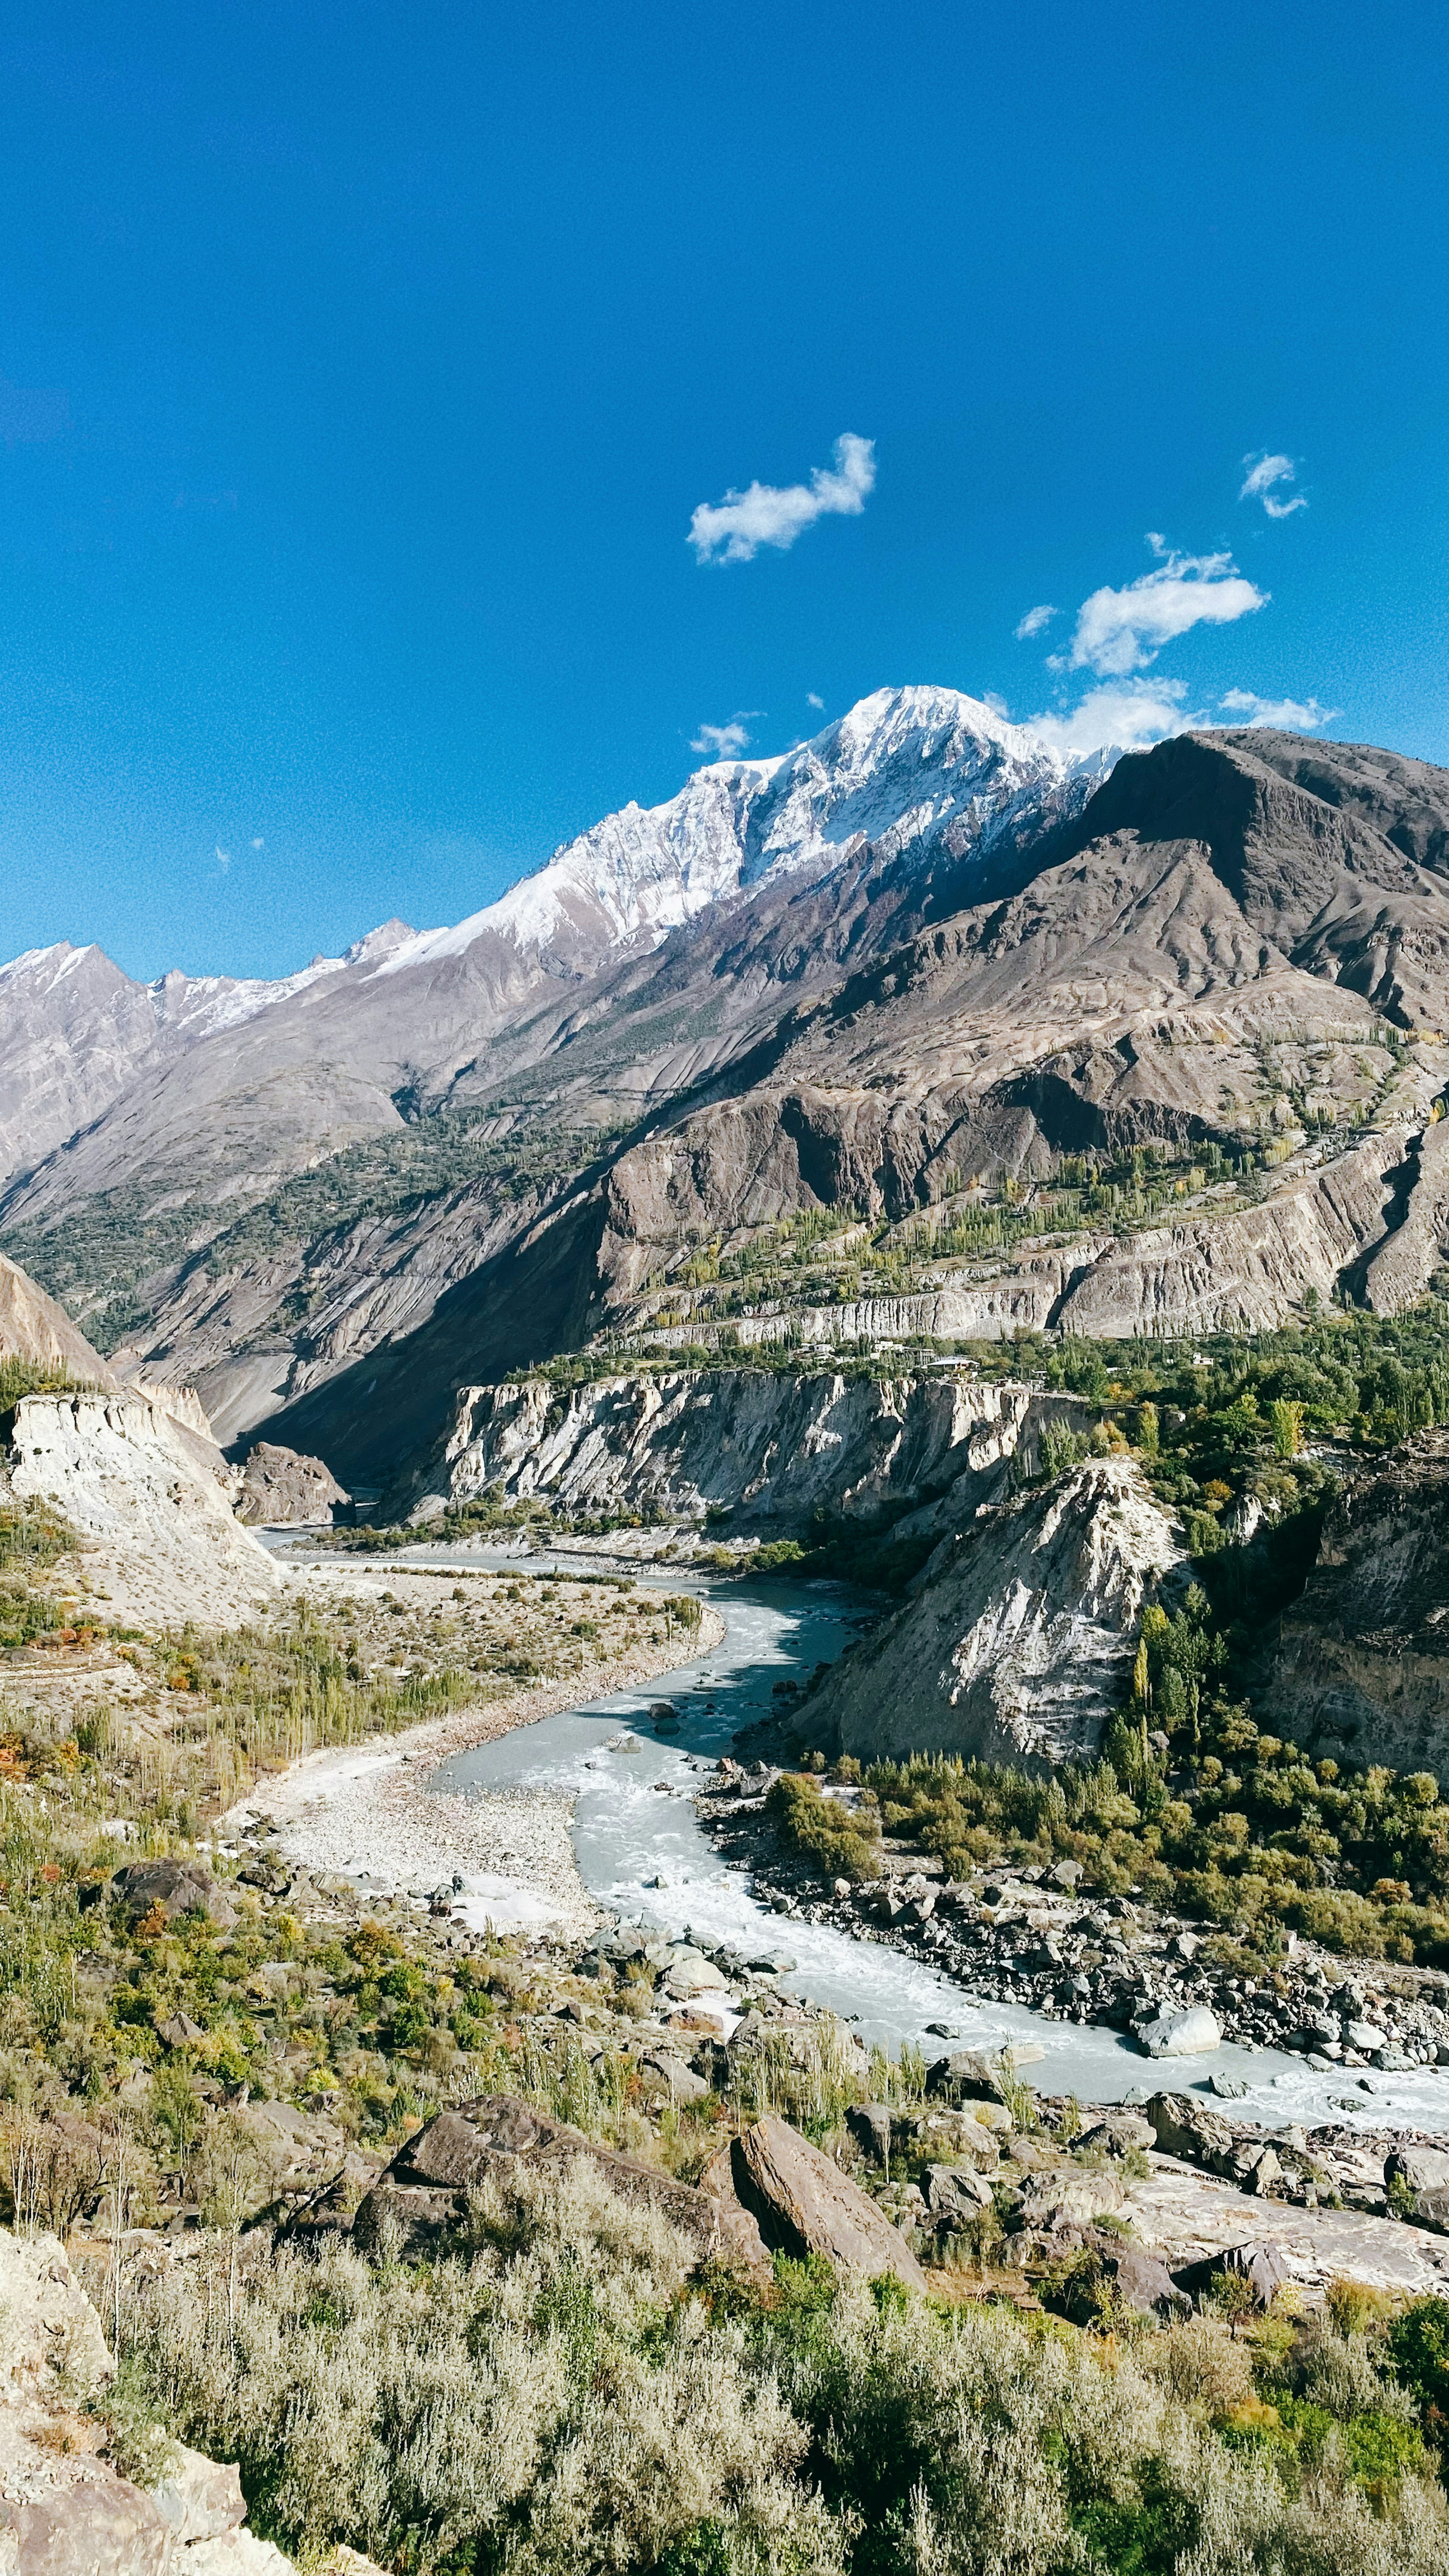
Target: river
{"x": 642, "y": 1851}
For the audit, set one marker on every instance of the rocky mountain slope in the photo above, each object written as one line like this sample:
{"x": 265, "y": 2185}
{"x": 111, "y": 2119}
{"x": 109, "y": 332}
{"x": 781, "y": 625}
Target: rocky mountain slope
{"x": 33, "y": 1328}
{"x": 1015, "y": 1644}
{"x": 1246, "y": 937}
{"x": 1359, "y": 1669}
{"x": 239, "y": 1083}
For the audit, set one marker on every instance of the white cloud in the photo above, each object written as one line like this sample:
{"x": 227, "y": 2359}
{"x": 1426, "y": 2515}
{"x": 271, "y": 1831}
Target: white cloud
{"x": 722, "y": 742}
{"x": 811, "y": 700}
{"x": 1123, "y": 630}
{"x": 223, "y": 858}
{"x": 1285, "y": 713}
{"x": 734, "y": 529}
{"x": 1132, "y": 715}
{"x": 1033, "y": 622}
{"x": 259, "y": 845}
{"x": 1263, "y": 473}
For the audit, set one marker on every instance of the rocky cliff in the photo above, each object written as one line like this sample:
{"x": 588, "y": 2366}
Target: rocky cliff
{"x": 768, "y": 1449}
{"x": 1018, "y": 1635}
{"x": 1359, "y": 1671}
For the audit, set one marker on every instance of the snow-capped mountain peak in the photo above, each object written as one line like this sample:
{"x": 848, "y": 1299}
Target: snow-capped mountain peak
{"x": 904, "y": 765}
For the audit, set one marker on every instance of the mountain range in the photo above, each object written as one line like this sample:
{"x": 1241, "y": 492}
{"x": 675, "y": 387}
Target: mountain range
{"x": 988, "y": 1016}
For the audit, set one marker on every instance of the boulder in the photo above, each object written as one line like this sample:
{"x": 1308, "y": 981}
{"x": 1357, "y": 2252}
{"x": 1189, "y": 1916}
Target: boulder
{"x": 869, "y": 2124}
{"x": 1190, "y": 2131}
{"x": 1424, "y": 2171}
{"x": 177, "y": 1886}
{"x": 422, "y": 2195}
{"x": 805, "y": 2205}
{"x": 1260, "y": 2264}
{"x": 234, "y": 2553}
{"x": 1119, "y": 2133}
{"x": 678, "y": 2080}
{"x": 954, "y": 2194}
{"x": 1110, "y": 2277}
{"x": 1182, "y": 2034}
{"x": 200, "y": 2498}
{"x": 691, "y": 1973}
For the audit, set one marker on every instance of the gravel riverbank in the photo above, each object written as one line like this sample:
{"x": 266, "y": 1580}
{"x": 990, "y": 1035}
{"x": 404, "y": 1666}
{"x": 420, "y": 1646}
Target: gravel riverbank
{"x": 365, "y": 1812}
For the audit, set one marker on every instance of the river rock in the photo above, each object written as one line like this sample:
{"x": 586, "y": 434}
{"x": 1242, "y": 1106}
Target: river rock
{"x": 1190, "y": 2131}
{"x": 422, "y": 2196}
{"x": 691, "y": 1973}
{"x": 1182, "y": 2034}
{"x": 806, "y": 2205}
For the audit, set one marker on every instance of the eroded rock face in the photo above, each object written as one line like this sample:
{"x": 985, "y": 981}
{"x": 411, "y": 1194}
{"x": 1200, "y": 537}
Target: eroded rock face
{"x": 421, "y": 2199}
{"x": 280, "y": 1488}
{"x": 152, "y": 1501}
{"x": 773, "y": 1449}
{"x": 1361, "y": 1669}
{"x": 1014, "y": 1645}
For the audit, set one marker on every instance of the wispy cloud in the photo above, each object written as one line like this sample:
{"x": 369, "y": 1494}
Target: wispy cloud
{"x": 769, "y": 514}
{"x": 726, "y": 741}
{"x": 818, "y": 704}
{"x": 223, "y": 858}
{"x": 1034, "y": 620}
{"x": 1263, "y": 473}
{"x": 1287, "y": 715}
{"x": 1123, "y": 630}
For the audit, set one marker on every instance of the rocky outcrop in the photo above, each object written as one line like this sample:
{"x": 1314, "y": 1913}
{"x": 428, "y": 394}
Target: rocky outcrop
{"x": 33, "y": 1327}
{"x": 52, "y": 2335}
{"x": 1403, "y": 1267}
{"x": 151, "y": 1500}
{"x": 281, "y": 1489}
{"x": 1360, "y": 1669}
{"x": 1015, "y": 1642}
{"x": 772, "y": 1449}
{"x": 422, "y": 2198}
{"x": 64, "y": 2510}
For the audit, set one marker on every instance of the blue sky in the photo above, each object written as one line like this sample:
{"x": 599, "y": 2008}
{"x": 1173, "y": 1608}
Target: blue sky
{"x": 361, "y": 373}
